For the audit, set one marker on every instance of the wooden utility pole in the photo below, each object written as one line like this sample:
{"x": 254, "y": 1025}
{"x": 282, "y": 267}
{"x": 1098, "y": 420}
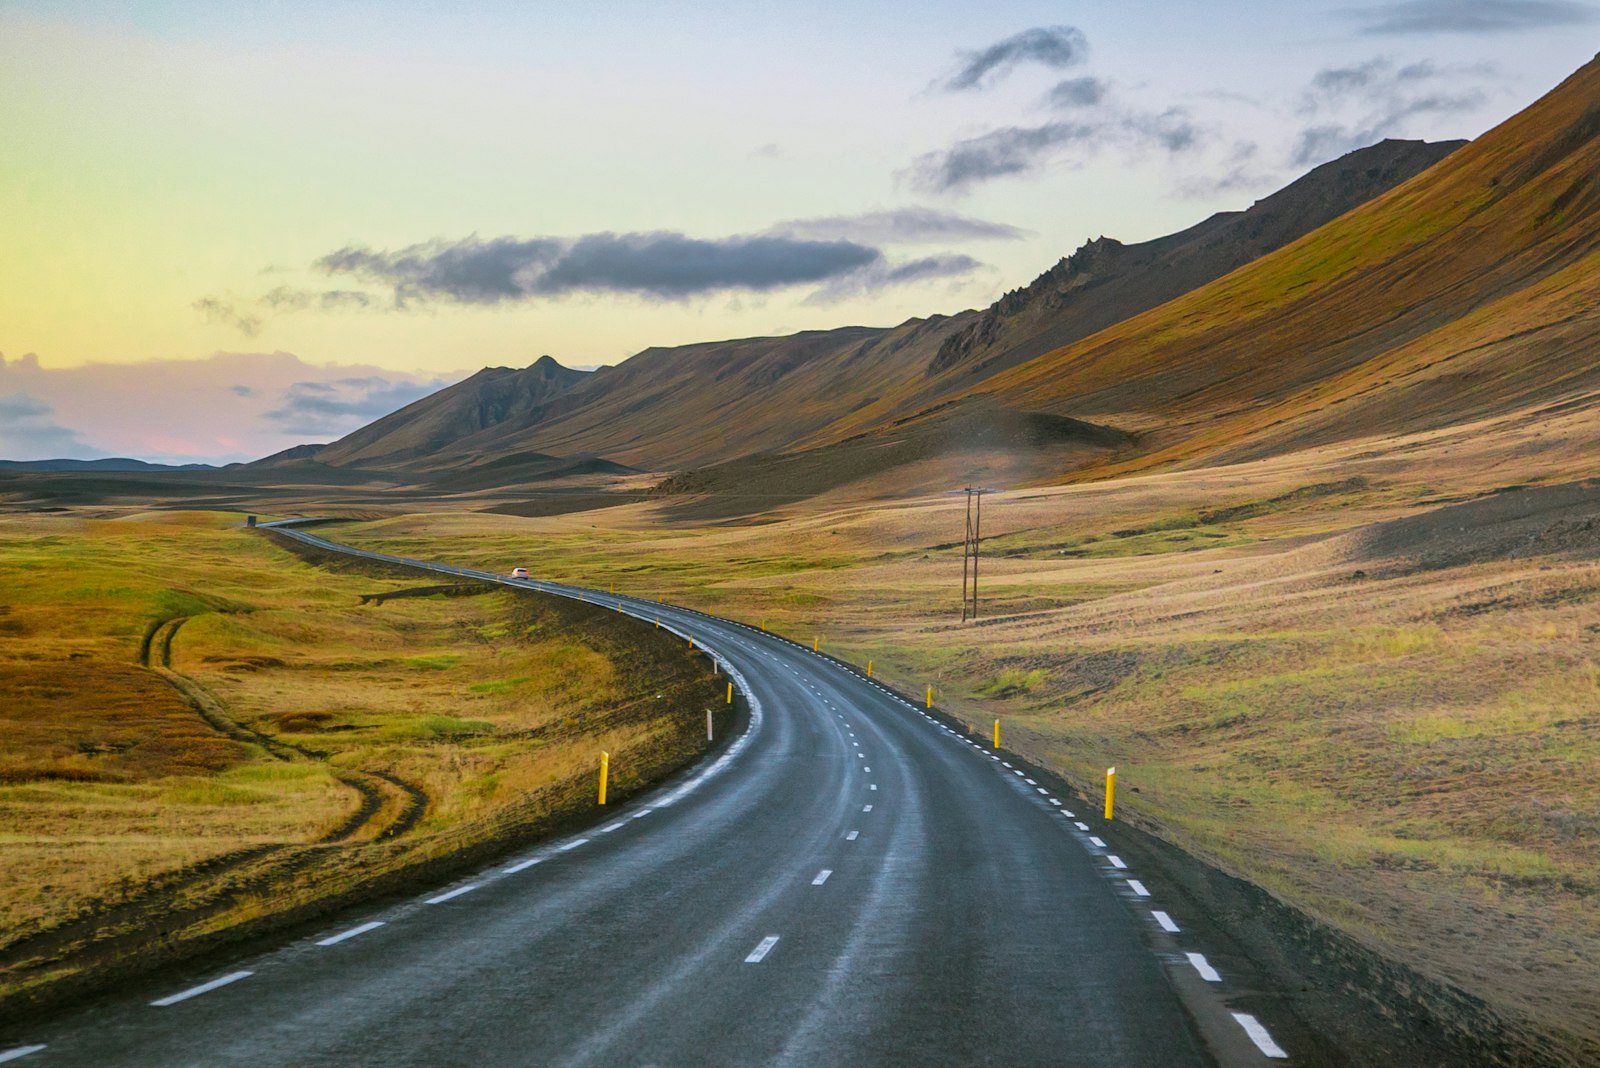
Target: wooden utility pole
{"x": 969, "y": 550}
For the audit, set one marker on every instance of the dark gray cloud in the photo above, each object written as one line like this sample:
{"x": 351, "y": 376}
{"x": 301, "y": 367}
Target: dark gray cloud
{"x": 900, "y": 226}
{"x": 1470, "y": 16}
{"x": 29, "y": 431}
{"x": 1056, "y": 47}
{"x": 882, "y": 275}
{"x": 1355, "y": 106}
{"x": 662, "y": 265}
{"x": 1078, "y": 93}
{"x": 1008, "y": 150}
{"x": 242, "y": 390}
{"x": 1021, "y": 149}
{"x": 337, "y": 407}
{"x": 228, "y": 312}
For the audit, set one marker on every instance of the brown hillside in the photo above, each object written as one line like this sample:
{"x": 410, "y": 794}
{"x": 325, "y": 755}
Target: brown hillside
{"x": 1468, "y": 291}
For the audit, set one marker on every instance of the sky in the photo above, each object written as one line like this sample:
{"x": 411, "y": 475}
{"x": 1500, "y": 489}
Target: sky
{"x": 232, "y": 228}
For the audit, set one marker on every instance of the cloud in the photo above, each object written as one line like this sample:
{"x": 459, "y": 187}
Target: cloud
{"x": 210, "y": 410}
{"x": 325, "y": 409}
{"x": 661, "y": 265}
{"x": 900, "y": 226}
{"x": 1056, "y": 47}
{"x": 1013, "y": 150}
{"x": 29, "y": 431}
{"x": 227, "y": 312}
{"x": 882, "y": 275}
{"x": 1078, "y": 93}
{"x": 1470, "y": 16}
{"x": 287, "y": 298}
{"x": 1355, "y": 106}
{"x": 1009, "y": 150}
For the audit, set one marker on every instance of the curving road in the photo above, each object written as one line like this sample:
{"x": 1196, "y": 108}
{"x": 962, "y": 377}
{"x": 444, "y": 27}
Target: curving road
{"x": 850, "y": 883}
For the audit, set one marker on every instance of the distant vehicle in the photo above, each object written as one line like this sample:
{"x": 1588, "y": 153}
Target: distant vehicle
{"x": 519, "y": 572}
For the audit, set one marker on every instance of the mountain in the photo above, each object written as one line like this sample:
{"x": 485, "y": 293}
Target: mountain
{"x": 1470, "y": 291}
{"x": 1105, "y": 281}
{"x": 110, "y": 463}
{"x": 697, "y": 406}
{"x": 493, "y": 398}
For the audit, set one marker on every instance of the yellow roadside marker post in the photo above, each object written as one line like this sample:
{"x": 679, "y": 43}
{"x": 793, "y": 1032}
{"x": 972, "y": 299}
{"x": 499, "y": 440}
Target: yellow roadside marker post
{"x": 869, "y": 669}
{"x": 930, "y": 696}
{"x": 730, "y": 693}
{"x": 658, "y": 622}
{"x": 997, "y": 734}
{"x": 1111, "y": 790}
{"x": 605, "y": 772}
{"x": 691, "y": 641}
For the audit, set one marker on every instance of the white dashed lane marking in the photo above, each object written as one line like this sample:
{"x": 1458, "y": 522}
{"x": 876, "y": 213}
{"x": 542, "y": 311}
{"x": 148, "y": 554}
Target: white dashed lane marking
{"x": 522, "y": 866}
{"x": 333, "y": 940}
{"x": 1207, "y": 972}
{"x": 1259, "y": 1036}
{"x": 1116, "y": 861}
{"x": 1137, "y": 887}
{"x": 18, "y": 1052}
{"x": 822, "y": 877}
{"x": 457, "y": 892}
{"x": 203, "y": 988}
{"x": 1165, "y": 921}
{"x": 852, "y": 836}
{"x": 759, "y": 953}
{"x": 866, "y": 808}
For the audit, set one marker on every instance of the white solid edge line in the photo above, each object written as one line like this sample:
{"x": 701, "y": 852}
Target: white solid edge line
{"x": 448, "y": 894}
{"x": 521, "y": 866}
{"x": 822, "y": 877}
{"x": 1116, "y": 861}
{"x": 1138, "y": 888}
{"x": 1260, "y": 1036}
{"x": 20, "y": 1051}
{"x": 761, "y": 950}
{"x": 333, "y": 940}
{"x": 1207, "y": 972}
{"x": 203, "y": 988}
{"x": 1165, "y": 921}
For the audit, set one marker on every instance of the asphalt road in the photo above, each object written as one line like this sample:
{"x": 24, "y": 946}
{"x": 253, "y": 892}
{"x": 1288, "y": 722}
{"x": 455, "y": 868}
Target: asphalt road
{"x": 850, "y": 883}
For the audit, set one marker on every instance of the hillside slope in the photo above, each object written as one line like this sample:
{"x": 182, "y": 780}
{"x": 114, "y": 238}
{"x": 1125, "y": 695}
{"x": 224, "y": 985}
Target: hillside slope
{"x": 1472, "y": 290}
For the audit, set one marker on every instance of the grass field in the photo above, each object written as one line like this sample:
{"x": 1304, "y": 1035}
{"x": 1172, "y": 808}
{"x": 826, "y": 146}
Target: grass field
{"x": 1405, "y": 746}
{"x": 201, "y": 724}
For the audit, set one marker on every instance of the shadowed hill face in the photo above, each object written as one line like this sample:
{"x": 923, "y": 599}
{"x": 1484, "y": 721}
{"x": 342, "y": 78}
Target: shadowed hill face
{"x": 1467, "y": 292}
{"x": 697, "y": 404}
{"x": 494, "y": 397}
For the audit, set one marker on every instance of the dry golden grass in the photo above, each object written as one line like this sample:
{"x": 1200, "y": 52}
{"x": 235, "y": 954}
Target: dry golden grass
{"x": 303, "y": 741}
